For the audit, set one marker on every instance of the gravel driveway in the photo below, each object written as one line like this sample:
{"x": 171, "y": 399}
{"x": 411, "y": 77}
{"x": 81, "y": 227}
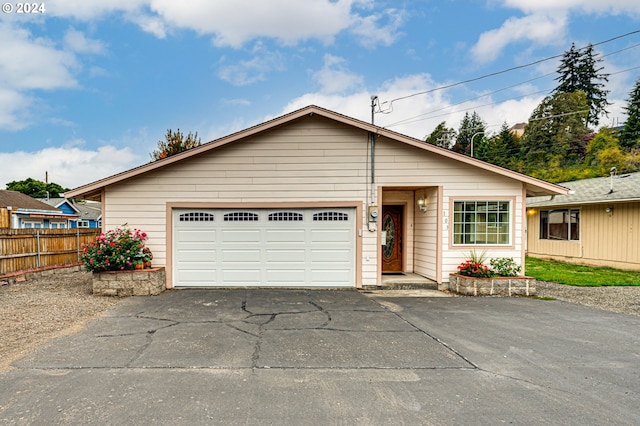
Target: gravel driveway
{"x": 56, "y": 305}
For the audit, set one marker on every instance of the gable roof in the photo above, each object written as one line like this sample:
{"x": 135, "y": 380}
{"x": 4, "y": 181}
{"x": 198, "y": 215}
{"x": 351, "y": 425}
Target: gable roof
{"x": 17, "y": 200}
{"x": 592, "y": 191}
{"x": 92, "y": 191}
{"x": 89, "y": 210}
{"x": 58, "y": 201}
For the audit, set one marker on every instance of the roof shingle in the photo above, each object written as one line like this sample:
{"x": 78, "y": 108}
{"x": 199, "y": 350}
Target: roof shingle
{"x": 18, "y": 200}
{"x": 597, "y": 190}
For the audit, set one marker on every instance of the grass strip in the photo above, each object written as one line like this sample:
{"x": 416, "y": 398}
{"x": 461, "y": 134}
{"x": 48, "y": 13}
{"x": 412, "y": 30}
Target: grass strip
{"x": 579, "y": 275}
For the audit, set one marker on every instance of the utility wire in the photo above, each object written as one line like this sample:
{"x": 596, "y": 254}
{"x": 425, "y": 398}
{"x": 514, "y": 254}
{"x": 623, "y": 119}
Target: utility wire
{"x": 448, "y": 86}
{"x": 426, "y": 115}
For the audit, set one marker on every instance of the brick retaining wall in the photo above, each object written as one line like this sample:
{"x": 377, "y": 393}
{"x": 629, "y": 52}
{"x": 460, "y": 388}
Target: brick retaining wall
{"x": 34, "y": 273}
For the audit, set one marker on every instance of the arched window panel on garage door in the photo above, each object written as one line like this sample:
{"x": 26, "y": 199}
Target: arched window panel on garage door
{"x": 196, "y": 217}
{"x": 330, "y": 216}
{"x": 285, "y": 217}
{"x": 241, "y": 217}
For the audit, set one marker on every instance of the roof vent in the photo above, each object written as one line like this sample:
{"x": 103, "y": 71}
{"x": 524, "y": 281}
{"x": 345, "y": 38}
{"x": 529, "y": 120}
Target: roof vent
{"x": 613, "y": 173}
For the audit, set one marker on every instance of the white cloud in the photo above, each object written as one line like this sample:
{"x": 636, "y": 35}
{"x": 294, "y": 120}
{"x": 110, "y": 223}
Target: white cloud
{"x": 89, "y": 10}
{"x": 546, "y": 23}
{"x": 27, "y": 64}
{"x": 540, "y": 29}
{"x": 334, "y": 77}
{"x": 286, "y": 20}
{"x": 76, "y": 41}
{"x": 13, "y": 109}
{"x": 253, "y": 70}
{"x": 417, "y": 116}
{"x": 236, "y": 22}
{"x": 372, "y": 32}
{"x": 33, "y": 63}
{"x": 613, "y": 7}
{"x": 152, "y": 24}
{"x": 68, "y": 166}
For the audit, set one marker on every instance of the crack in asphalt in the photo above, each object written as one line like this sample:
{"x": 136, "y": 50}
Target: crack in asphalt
{"x": 269, "y": 318}
{"x": 441, "y": 342}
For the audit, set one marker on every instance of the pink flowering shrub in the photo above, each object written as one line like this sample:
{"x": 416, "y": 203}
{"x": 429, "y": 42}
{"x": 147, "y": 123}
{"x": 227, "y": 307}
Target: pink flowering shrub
{"x": 116, "y": 250}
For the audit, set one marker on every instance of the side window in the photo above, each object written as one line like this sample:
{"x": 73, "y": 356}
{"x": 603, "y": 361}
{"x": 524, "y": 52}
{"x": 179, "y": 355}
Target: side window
{"x": 563, "y": 224}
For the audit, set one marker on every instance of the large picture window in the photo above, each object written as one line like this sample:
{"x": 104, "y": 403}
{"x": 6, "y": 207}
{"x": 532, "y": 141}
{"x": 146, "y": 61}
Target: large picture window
{"x": 560, "y": 225}
{"x": 482, "y": 223}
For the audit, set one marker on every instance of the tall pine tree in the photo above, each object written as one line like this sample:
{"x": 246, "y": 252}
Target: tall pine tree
{"x": 580, "y": 70}
{"x": 630, "y": 135}
{"x": 442, "y": 136}
{"x": 556, "y": 133}
{"x": 472, "y": 130}
{"x": 501, "y": 149}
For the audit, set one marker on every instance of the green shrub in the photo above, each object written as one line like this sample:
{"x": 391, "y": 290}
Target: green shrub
{"x": 505, "y": 267}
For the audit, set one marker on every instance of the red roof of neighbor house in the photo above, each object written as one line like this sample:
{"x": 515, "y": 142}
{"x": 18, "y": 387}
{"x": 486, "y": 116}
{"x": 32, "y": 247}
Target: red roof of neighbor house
{"x": 17, "y": 200}
{"x": 535, "y": 187}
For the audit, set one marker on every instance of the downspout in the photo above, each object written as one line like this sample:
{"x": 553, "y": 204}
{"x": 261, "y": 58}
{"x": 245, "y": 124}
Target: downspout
{"x": 372, "y": 136}
{"x": 373, "y": 167}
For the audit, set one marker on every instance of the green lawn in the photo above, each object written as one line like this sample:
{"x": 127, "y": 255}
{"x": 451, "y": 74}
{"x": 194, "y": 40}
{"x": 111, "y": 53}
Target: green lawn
{"x": 579, "y": 275}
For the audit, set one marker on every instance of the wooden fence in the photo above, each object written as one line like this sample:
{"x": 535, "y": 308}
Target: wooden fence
{"x": 5, "y": 218}
{"x": 23, "y": 249}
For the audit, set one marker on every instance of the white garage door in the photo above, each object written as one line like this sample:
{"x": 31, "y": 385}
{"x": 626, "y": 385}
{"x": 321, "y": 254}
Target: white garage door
{"x": 264, "y": 247}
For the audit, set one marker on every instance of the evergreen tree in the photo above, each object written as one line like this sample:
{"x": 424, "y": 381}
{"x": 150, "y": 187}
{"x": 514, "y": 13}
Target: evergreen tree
{"x": 472, "y": 130}
{"x": 175, "y": 143}
{"x": 557, "y": 132}
{"x": 442, "y": 136}
{"x": 630, "y": 135}
{"x": 580, "y": 71}
{"x": 500, "y": 149}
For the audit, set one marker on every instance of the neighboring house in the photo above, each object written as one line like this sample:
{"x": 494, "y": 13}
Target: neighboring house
{"x": 18, "y": 210}
{"x": 89, "y": 212}
{"x": 518, "y": 129}
{"x": 299, "y": 201}
{"x": 597, "y": 223}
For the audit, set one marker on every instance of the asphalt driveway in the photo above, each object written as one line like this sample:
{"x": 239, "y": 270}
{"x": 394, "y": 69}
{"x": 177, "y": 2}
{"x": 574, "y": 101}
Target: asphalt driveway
{"x": 333, "y": 357}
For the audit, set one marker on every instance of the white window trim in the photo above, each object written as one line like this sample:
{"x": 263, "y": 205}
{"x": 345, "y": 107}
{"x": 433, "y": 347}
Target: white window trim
{"x": 509, "y": 200}
{"x": 32, "y": 224}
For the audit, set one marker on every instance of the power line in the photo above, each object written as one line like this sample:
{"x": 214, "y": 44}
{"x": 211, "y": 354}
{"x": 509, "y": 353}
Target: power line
{"x": 448, "y": 86}
{"x": 426, "y": 115}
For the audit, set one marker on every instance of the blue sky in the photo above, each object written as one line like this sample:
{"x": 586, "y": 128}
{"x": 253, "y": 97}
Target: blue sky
{"x": 88, "y": 88}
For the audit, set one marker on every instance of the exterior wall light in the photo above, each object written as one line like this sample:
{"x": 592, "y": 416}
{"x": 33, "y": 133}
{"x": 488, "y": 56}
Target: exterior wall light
{"x": 422, "y": 204}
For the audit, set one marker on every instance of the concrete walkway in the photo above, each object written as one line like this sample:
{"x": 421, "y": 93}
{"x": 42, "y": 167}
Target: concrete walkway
{"x": 333, "y": 357}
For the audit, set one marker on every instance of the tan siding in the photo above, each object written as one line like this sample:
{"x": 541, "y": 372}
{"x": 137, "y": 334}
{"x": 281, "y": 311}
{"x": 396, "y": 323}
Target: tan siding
{"x": 310, "y": 160}
{"x": 612, "y": 237}
{"x": 605, "y": 239}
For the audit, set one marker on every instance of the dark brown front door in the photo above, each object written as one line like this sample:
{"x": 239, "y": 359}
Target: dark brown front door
{"x": 392, "y": 250}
